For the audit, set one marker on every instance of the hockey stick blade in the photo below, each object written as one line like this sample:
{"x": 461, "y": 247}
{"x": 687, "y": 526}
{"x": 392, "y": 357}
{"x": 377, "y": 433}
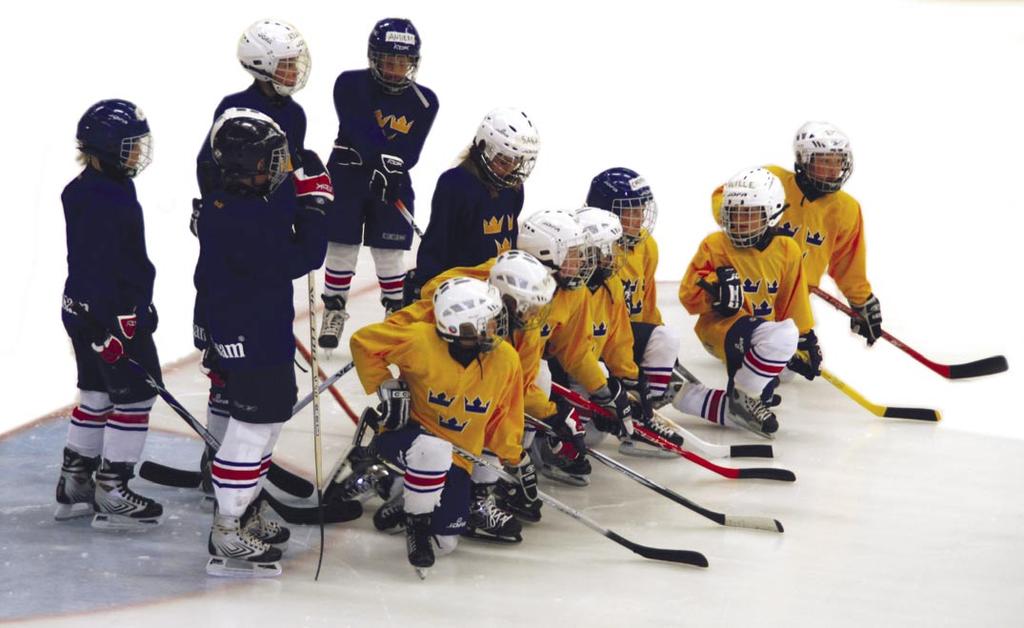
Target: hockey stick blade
{"x": 767, "y": 473}
{"x": 754, "y": 523}
{"x": 289, "y": 482}
{"x": 978, "y": 368}
{"x": 169, "y": 476}
{"x": 685, "y": 557}
{"x": 334, "y": 512}
{"x": 751, "y": 451}
{"x": 917, "y": 414}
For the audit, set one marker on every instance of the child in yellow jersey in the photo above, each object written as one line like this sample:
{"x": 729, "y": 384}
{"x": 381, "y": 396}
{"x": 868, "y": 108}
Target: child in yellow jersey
{"x": 748, "y": 288}
{"x": 459, "y": 384}
{"x": 627, "y": 195}
{"x": 825, "y": 221}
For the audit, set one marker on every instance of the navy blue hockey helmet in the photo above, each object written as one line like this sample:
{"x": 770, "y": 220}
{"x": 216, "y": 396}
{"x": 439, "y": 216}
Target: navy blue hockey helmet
{"x": 394, "y": 52}
{"x": 115, "y": 131}
{"x": 251, "y": 151}
{"x": 626, "y": 194}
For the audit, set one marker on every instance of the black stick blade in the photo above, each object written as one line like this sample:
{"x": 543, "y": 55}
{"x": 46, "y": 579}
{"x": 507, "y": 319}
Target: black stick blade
{"x": 168, "y": 476}
{"x": 917, "y": 414}
{"x": 685, "y": 557}
{"x": 289, "y": 482}
{"x": 766, "y": 473}
{"x": 334, "y": 512}
{"x": 751, "y": 451}
{"x": 987, "y": 366}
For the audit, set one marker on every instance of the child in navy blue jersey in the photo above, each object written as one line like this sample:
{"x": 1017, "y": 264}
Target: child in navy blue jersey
{"x": 251, "y": 249}
{"x": 474, "y": 215}
{"x": 108, "y": 311}
{"x": 384, "y": 118}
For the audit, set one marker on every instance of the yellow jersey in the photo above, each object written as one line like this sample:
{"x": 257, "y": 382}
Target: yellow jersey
{"x": 829, "y": 231}
{"x": 474, "y": 406}
{"x": 569, "y": 334}
{"x": 613, "y": 335}
{"x": 637, "y": 276}
{"x": 772, "y": 280}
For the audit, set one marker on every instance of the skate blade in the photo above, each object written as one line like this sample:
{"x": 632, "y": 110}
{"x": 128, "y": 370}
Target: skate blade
{"x": 422, "y": 572}
{"x": 640, "y": 450}
{"x": 119, "y": 523}
{"x": 65, "y": 512}
{"x": 560, "y": 476}
{"x": 234, "y": 568}
{"x": 490, "y": 538}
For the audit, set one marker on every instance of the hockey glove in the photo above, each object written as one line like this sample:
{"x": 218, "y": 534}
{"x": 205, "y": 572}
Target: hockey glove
{"x": 569, "y": 430}
{"x": 110, "y": 349}
{"x": 869, "y": 319}
{"x": 807, "y": 361}
{"x": 345, "y": 156}
{"x": 210, "y": 367}
{"x": 313, "y": 187}
{"x": 197, "y": 209}
{"x": 128, "y": 324}
{"x": 640, "y": 395}
{"x": 394, "y": 404}
{"x": 613, "y": 397}
{"x": 728, "y": 296}
{"x": 388, "y": 179}
{"x": 410, "y": 288}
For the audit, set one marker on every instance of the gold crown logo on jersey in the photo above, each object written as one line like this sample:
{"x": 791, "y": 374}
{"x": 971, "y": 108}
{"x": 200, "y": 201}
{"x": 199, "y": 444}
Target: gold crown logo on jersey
{"x": 816, "y": 239}
{"x": 451, "y": 423}
{"x": 441, "y": 399}
{"x": 501, "y": 246}
{"x": 763, "y": 309}
{"x": 751, "y": 286}
{"x": 477, "y": 406}
{"x": 400, "y": 124}
{"x": 600, "y": 330}
{"x": 493, "y": 226}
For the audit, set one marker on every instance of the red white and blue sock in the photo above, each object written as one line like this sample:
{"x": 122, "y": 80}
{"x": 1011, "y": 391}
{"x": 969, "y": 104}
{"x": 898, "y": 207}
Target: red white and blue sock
{"x": 85, "y": 430}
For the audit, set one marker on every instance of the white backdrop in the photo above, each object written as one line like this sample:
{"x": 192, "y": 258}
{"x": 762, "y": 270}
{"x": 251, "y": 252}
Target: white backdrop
{"x": 928, "y": 92}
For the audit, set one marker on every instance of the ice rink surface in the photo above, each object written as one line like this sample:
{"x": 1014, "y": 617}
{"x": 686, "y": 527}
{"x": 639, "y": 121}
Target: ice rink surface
{"x": 889, "y": 522}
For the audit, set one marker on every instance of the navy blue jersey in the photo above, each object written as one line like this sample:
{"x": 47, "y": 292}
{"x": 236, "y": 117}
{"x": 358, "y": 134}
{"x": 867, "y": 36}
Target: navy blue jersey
{"x": 372, "y": 121}
{"x": 470, "y": 223}
{"x": 250, "y": 251}
{"x": 108, "y": 268}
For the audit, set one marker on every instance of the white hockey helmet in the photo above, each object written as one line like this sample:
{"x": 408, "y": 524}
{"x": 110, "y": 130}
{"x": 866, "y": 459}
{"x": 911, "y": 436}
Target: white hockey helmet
{"x": 753, "y": 200}
{"x": 506, "y": 145}
{"x": 823, "y": 156}
{"x": 556, "y": 238}
{"x": 275, "y": 51}
{"x": 603, "y": 229}
{"x": 469, "y": 311}
{"x": 526, "y": 287}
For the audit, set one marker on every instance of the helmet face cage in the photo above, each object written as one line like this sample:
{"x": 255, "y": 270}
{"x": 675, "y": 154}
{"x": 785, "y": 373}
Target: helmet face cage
{"x": 484, "y": 334}
{"x": 506, "y": 169}
{"x": 394, "y": 72}
{"x": 744, "y": 225}
{"x": 826, "y": 170}
{"x": 291, "y": 73}
{"x": 638, "y": 216}
{"x": 136, "y": 154}
{"x": 577, "y": 267}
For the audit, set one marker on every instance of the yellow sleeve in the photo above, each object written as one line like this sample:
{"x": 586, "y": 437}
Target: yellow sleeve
{"x": 792, "y": 300}
{"x": 571, "y": 344}
{"x": 504, "y": 432}
{"x": 691, "y": 295}
{"x": 618, "y": 348}
{"x": 849, "y": 256}
{"x": 373, "y": 348}
{"x": 716, "y": 203}
{"x": 651, "y": 313}
{"x": 535, "y": 401}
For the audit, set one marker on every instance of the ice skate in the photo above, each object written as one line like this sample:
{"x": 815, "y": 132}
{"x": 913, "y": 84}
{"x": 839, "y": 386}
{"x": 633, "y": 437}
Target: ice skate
{"x": 76, "y": 487}
{"x": 418, "y": 543}
{"x": 637, "y": 445}
{"x": 369, "y": 477}
{"x": 333, "y": 323}
{"x": 235, "y": 552}
{"x": 390, "y": 517}
{"x": 751, "y": 413}
{"x": 117, "y": 506}
{"x": 575, "y": 472}
{"x": 490, "y": 522}
{"x": 257, "y": 522}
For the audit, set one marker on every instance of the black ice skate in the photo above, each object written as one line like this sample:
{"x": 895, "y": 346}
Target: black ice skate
{"x": 390, "y": 517}
{"x": 257, "y": 522}
{"x": 637, "y": 445}
{"x": 751, "y": 413}
{"x": 119, "y": 507}
{"x": 575, "y": 472}
{"x": 235, "y": 552}
{"x": 333, "y": 323}
{"x": 418, "y": 543}
{"x": 369, "y": 477}
{"x": 76, "y": 487}
{"x": 490, "y": 522}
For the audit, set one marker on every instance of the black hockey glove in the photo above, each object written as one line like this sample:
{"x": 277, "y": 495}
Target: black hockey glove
{"x": 807, "y": 360}
{"x": 345, "y": 156}
{"x": 567, "y": 427}
{"x": 613, "y": 397}
{"x": 394, "y": 404}
{"x": 313, "y": 187}
{"x": 639, "y": 392}
{"x": 869, "y": 319}
{"x": 388, "y": 179}
{"x": 727, "y": 298}
{"x": 197, "y": 209}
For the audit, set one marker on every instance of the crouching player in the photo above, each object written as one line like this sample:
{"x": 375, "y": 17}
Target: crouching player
{"x": 253, "y": 244}
{"x": 459, "y": 384}
{"x": 748, "y": 288}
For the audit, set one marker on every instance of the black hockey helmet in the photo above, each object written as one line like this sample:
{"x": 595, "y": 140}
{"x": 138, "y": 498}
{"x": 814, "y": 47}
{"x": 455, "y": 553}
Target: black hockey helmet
{"x": 250, "y": 150}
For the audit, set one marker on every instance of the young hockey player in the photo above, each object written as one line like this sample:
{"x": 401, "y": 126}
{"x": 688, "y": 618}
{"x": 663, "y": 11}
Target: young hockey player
{"x": 627, "y": 195}
{"x": 251, "y": 249}
{"x": 826, "y": 221}
{"x": 275, "y": 54}
{"x": 108, "y": 313}
{"x": 474, "y": 213}
{"x": 459, "y": 384}
{"x": 384, "y": 117}
{"x": 747, "y": 286}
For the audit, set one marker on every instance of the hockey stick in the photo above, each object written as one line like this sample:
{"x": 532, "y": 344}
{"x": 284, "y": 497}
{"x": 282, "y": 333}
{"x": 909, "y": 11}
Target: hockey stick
{"x": 408, "y": 217}
{"x": 752, "y": 473}
{"x": 891, "y": 412}
{"x": 686, "y": 557}
{"x": 318, "y": 452}
{"x": 754, "y": 523}
{"x": 977, "y": 368}
{"x": 305, "y": 401}
{"x": 304, "y": 352}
